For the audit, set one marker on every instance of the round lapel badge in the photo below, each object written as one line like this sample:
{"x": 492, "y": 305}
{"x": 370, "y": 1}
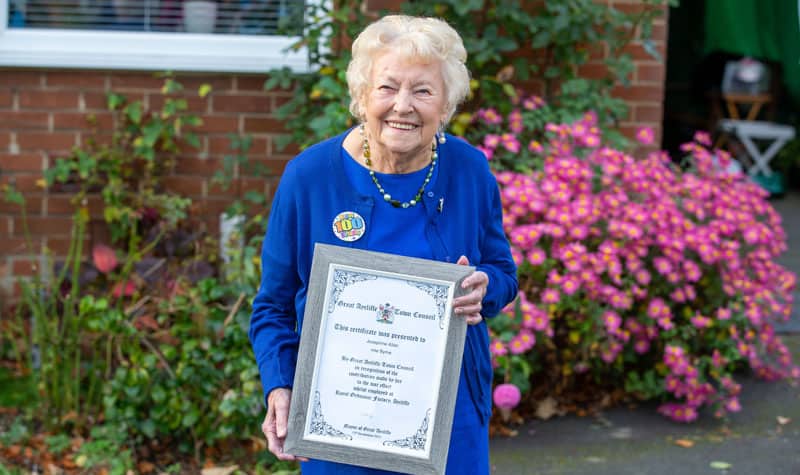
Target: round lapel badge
{"x": 349, "y": 226}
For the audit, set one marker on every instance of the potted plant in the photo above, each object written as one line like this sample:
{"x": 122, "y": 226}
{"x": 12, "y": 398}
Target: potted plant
{"x": 199, "y": 16}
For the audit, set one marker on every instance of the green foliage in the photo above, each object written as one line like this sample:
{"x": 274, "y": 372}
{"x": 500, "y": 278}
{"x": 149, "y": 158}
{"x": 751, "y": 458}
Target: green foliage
{"x": 58, "y": 443}
{"x": 106, "y": 450}
{"x": 128, "y": 171}
{"x": 548, "y": 42}
{"x": 17, "y": 433}
{"x": 196, "y": 382}
{"x": 9, "y": 471}
{"x": 18, "y": 391}
{"x": 319, "y": 107}
{"x": 787, "y": 162}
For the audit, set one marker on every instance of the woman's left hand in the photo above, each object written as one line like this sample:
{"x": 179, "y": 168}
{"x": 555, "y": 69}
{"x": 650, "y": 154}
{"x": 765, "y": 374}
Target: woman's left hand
{"x": 469, "y": 305}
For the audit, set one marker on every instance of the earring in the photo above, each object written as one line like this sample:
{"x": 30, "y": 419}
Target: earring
{"x": 442, "y": 138}
{"x": 365, "y": 145}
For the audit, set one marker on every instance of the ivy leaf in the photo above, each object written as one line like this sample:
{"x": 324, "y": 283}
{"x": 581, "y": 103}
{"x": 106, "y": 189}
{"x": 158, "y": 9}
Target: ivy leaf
{"x": 114, "y": 101}
{"x": 134, "y": 112}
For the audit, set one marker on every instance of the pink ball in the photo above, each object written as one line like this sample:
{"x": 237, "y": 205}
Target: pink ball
{"x": 506, "y": 396}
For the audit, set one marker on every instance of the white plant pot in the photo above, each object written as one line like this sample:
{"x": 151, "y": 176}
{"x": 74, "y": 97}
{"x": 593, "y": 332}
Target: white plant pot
{"x": 199, "y": 16}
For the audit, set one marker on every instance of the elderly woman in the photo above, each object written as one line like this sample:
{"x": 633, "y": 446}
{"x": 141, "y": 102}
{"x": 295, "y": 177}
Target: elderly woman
{"x": 419, "y": 192}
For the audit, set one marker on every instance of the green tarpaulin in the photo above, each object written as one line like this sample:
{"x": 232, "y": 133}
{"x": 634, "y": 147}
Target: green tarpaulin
{"x": 762, "y": 29}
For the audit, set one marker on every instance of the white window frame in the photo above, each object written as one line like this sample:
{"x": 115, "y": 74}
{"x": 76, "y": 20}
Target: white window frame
{"x": 83, "y": 49}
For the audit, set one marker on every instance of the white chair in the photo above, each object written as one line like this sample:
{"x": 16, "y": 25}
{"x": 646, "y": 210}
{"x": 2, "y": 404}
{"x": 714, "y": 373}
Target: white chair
{"x": 746, "y": 131}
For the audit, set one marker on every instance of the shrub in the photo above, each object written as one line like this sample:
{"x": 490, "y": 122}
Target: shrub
{"x": 544, "y": 41}
{"x": 148, "y": 333}
{"x": 634, "y": 273}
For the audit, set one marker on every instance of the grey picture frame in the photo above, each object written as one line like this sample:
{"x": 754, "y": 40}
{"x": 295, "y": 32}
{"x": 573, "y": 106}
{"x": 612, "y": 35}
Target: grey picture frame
{"x": 295, "y": 443}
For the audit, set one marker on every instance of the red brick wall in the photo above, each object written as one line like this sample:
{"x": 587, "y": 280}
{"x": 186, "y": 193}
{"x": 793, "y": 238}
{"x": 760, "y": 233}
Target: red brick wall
{"x": 42, "y": 115}
{"x": 645, "y": 95}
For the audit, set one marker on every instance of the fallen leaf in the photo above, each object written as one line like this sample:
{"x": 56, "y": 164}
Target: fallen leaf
{"x": 783, "y": 420}
{"x": 127, "y": 289}
{"x": 546, "y": 408}
{"x": 51, "y": 469}
{"x": 219, "y": 470}
{"x": 145, "y": 467}
{"x": 720, "y": 465}
{"x": 81, "y": 460}
{"x": 146, "y": 322}
{"x": 685, "y": 443}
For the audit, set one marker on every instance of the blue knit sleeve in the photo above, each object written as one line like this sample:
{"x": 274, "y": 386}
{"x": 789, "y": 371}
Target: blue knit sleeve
{"x": 273, "y": 323}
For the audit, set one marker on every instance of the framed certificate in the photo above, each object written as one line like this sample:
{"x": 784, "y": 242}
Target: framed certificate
{"x": 379, "y": 361}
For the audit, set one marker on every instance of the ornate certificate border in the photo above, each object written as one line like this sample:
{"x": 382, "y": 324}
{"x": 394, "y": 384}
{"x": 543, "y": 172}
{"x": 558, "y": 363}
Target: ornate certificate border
{"x": 327, "y": 281}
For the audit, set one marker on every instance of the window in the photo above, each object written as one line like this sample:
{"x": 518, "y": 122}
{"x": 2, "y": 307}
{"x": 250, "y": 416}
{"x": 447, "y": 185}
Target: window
{"x": 177, "y": 35}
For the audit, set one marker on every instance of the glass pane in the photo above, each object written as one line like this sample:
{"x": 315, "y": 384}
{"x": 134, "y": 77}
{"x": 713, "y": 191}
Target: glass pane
{"x": 239, "y": 17}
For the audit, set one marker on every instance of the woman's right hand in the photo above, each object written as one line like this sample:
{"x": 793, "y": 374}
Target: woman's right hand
{"x": 276, "y": 422}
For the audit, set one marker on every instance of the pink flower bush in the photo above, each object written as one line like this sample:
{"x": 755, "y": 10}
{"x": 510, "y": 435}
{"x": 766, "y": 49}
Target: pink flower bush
{"x": 656, "y": 279}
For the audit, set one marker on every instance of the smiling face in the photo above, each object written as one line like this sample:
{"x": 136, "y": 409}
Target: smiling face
{"x": 403, "y": 107}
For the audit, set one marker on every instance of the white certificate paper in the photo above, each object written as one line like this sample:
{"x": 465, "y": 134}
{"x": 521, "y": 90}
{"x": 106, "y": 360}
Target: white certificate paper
{"x": 377, "y": 359}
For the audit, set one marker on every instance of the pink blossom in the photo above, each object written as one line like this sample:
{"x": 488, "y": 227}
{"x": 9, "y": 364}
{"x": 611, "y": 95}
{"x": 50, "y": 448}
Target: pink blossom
{"x": 535, "y": 147}
{"x": 612, "y": 321}
{"x": 498, "y": 348}
{"x": 490, "y": 116}
{"x": 510, "y": 142}
{"x": 700, "y": 321}
{"x": 732, "y": 405}
{"x": 665, "y": 323}
{"x": 662, "y": 265}
{"x": 528, "y": 339}
{"x": 641, "y": 346}
{"x": 540, "y": 322}
{"x": 515, "y": 121}
{"x": 550, "y": 296}
{"x": 645, "y": 135}
{"x": 591, "y": 141}
{"x": 703, "y": 138}
{"x": 533, "y": 103}
{"x": 491, "y": 141}
{"x": 536, "y": 256}
{"x": 517, "y": 346}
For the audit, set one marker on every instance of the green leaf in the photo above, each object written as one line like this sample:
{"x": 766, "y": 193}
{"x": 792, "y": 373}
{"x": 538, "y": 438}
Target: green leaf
{"x": 14, "y": 197}
{"x": 114, "y": 100}
{"x": 204, "y": 90}
{"x": 148, "y": 428}
{"x": 192, "y": 139}
{"x": 134, "y": 112}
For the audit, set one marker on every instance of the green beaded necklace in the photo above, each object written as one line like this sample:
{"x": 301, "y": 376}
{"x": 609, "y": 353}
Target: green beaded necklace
{"x": 386, "y": 196}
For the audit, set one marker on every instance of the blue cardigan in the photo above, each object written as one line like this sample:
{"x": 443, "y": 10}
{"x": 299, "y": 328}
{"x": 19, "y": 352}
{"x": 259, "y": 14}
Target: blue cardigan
{"x": 464, "y": 217}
